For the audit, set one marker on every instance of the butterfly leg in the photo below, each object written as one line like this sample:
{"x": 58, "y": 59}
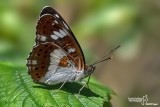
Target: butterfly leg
{"x": 83, "y": 82}
{"x": 60, "y": 87}
{"x": 81, "y": 89}
{"x": 88, "y": 80}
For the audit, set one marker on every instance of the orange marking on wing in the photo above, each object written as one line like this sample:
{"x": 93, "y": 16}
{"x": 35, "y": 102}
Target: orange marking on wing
{"x": 74, "y": 54}
{"x": 72, "y": 44}
{"x": 63, "y": 62}
{"x": 66, "y": 45}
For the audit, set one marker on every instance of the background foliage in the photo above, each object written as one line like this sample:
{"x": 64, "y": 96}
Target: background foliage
{"x": 99, "y": 26}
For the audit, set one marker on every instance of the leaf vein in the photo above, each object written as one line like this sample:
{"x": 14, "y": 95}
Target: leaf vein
{"x": 52, "y": 97}
{"x": 17, "y": 96}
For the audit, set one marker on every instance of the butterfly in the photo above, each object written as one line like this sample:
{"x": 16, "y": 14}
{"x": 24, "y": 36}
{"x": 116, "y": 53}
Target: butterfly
{"x": 57, "y": 56}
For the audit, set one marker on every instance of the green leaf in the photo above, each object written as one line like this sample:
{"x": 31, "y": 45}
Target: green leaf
{"x": 17, "y": 89}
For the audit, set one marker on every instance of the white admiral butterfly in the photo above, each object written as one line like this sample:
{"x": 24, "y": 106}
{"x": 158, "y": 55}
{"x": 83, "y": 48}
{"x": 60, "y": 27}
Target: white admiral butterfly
{"x": 57, "y": 56}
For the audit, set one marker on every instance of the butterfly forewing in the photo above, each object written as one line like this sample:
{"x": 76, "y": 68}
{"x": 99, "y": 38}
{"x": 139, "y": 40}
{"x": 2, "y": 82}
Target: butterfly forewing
{"x": 52, "y": 28}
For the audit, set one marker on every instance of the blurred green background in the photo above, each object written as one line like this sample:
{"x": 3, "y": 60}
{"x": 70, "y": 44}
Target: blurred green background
{"x": 99, "y": 26}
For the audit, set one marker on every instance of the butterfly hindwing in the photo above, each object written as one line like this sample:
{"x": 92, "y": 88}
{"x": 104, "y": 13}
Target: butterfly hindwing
{"x": 48, "y": 57}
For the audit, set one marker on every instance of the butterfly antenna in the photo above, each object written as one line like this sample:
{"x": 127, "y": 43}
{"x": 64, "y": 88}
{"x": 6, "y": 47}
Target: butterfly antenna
{"x": 100, "y": 60}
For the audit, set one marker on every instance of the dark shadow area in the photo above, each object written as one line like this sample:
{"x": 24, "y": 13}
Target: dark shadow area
{"x": 72, "y": 88}
{"x": 107, "y": 104}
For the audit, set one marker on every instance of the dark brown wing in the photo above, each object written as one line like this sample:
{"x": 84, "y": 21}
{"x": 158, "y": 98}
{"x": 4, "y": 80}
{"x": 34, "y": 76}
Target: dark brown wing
{"x": 51, "y": 27}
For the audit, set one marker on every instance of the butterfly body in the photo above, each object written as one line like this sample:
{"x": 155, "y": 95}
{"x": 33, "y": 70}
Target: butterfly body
{"x": 57, "y": 56}
{"x": 62, "y": 75}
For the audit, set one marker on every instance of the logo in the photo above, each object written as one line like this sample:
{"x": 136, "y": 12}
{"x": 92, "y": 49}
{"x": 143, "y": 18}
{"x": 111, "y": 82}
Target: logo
{"x": 143, "y": 100}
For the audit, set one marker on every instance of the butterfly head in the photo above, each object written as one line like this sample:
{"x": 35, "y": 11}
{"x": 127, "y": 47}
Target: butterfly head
{"x": 89, "y": 69}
